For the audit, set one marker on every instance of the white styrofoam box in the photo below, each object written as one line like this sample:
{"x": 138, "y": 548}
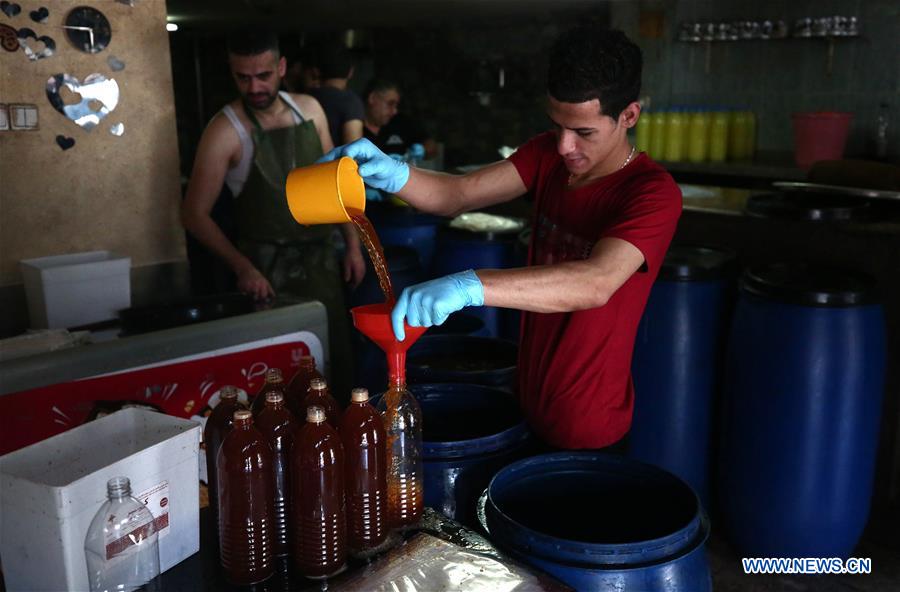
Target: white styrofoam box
{"x": 71, "y": 290}
{"x": 50, "y": 491}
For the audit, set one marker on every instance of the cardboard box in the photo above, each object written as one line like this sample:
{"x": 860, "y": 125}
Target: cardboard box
{"x": 78, "y": 289}
{"x": 50, "y": 491}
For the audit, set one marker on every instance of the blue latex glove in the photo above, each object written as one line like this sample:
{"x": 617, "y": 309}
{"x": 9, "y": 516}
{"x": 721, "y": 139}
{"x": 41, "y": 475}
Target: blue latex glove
{"x": 416, "y": 152}
{"x": 376, "y": 168}
{"x": 430, "y": 303}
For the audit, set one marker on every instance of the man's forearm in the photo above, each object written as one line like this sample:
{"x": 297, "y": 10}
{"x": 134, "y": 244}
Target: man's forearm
{"x": 208, "y": 233}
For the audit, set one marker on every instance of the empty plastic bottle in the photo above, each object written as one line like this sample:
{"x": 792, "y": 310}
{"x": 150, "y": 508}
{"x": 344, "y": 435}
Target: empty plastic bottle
{"x": 246, "y": 503}
{"x": 363, "y": 436}
{"x": 121, "y": 545}
{"x": 274, "y": 383}
{"x": 277, "y": 425}
{"x": 217, "y": 425}
{"x": 318, "y": 523}
{"x": 319, "y": 395}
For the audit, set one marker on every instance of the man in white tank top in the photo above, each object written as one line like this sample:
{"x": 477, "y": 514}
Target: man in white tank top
{"x": 225, "y": 155}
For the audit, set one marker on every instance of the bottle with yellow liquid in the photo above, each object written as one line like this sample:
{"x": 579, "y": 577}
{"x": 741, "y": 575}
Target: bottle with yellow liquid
{"x": 676, "y": 135}
{"x": 658, "y": 135}
{"x": 718, "y": 135}
{"x": 643, "y": 131}
{"x": 698, "y": 135}
{"x": 737, "y": 137}
{"x": 750, "y": 141}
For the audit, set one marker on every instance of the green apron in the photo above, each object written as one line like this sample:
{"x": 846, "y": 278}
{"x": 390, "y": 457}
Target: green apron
{"x": 299, "y": 261}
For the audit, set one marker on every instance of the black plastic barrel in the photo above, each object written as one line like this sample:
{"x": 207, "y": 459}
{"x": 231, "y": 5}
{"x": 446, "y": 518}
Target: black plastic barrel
{"x": 804, "y": 384}
{"x": 678, "y": 362}
{"x": 469, "y": 433}
{"x": 460, "y": 323}
{"x": 464, "y": 359}
{"x": 600, "y": 522}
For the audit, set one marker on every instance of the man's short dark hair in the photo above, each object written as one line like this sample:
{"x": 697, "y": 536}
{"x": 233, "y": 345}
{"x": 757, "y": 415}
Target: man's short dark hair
{"x": 251, "y": 41}
{"x": 379, "y": 85}
{"x": 592, "y": 62}
{"x": 335, "y": 61}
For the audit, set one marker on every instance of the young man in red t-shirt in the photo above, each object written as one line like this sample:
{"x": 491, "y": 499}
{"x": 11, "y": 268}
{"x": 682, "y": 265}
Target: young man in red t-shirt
{"x": 603, "y": 219}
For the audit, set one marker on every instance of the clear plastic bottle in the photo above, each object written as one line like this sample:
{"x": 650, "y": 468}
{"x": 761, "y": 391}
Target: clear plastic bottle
{"x": 246, "y": 503}
{"x": 277, "y": 425}
{"x": 750, "y": 138}
{"x": 319, "y": 394}
{"x": 658, "y": 135}
{"x": 738, "y": 128}
{"x": 643, "y": 131}
{"x": 318, "y": 520}
{"x": 365, "y": 465}
{"x": 698, "y": 136}
{"x": 274, "y": 383}
{"x": 718, "y": 135}
{"x": 121, "y": 545}
{"x": 676, "y": 135}
{"x": 402, "y": 419}
{"x": 218, "y": 424}
{"x": 299, "y": 386}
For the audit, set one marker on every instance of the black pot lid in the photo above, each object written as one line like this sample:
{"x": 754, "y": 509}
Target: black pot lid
{"x": 809, "y": 285}
{"x": 687, "y": 263}
{"x": 808, "y": 206}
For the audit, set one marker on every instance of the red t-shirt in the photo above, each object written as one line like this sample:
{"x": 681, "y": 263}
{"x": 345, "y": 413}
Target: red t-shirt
{"x": 575, "y": 367}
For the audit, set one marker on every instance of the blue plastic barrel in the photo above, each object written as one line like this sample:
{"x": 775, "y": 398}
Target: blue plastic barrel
{"x": 678, "y": 362}
{"x": 804, "y": 384}
{"x": 600, "y": 522}
{"x": 464, "y": 359}
{"x": 469, "y": 433}
{"x": 458, "y": 250}
{"x": 406, "y": 227}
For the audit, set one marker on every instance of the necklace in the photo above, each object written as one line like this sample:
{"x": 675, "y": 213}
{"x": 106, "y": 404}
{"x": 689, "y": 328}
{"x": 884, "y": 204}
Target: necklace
{"x": 622, "y": 166}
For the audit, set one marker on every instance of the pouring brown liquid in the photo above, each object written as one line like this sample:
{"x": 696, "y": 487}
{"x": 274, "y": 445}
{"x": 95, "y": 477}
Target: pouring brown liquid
{"x": 369, "y": 238}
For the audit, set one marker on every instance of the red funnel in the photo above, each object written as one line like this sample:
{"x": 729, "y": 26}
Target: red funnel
{"x": 374, "y": 321}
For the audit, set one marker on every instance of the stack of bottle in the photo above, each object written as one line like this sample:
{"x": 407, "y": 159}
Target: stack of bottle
{"x": 296, "y": 476}
{"x": 697, "y": 134}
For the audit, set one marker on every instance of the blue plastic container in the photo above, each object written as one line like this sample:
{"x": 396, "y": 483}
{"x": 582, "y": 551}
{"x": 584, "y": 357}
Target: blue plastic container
{"x": 470, "y": 432}
{"x": 464, "y": 359}
{"x": 600, "y": 522}
{"x": 678, "y": 363}
{"x": 406, "y": 227}
{"x": 458, "y": 250}
{"x": 804, "y": 384}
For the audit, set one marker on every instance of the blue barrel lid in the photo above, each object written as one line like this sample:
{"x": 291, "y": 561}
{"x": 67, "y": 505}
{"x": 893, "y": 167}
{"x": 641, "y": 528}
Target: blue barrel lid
{"x": 809, "y": 285}
{"x": 686, "y": 263}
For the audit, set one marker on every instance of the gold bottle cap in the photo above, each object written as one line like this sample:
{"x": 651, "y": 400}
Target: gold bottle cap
{"x": 274, "y": 397}
{"x": 228, "y": 392}
{"x": 315, "y": 414}
{"x": 317, "y": 384}
{"x": 273, "y": 376}
{"x": 359, "y": 395}
{"x": 242, "y": 414}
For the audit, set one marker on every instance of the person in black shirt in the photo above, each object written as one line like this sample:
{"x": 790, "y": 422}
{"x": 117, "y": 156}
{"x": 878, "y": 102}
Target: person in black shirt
{"x": 391, "y": 131}
{"x": 343, "y": 107}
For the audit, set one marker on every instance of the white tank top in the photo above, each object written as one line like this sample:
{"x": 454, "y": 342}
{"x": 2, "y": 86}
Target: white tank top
{"x": 236, "y": 176}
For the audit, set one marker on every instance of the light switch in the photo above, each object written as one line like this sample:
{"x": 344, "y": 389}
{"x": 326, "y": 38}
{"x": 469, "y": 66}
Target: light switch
{"x": 4, "y": 118}
{"x": 23, "y": 117}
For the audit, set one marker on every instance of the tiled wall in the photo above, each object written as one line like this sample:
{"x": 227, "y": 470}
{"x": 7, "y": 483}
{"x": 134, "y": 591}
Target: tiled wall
{"x": 778, "y": 77}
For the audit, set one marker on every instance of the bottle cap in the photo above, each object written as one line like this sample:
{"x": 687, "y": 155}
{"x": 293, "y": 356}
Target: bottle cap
{"x": 274, "y": 397}
{"x": 307, "y": 360}
{"x": 317, "y": 384}
{"x": 242, "y": 414}
{"x": 359, "y": 395}
{"x": 228, "y": 392}
{"x": 315, "y": 414}
{"x": 273, "y": 376}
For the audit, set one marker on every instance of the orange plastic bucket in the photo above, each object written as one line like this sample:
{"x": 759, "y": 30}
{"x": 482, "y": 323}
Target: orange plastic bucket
{"x": 323, "y": 193}
{"x": 820, "y": 135}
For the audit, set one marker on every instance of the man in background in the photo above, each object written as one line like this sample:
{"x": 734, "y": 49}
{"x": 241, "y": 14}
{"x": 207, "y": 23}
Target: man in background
{"x": 343, "y": 107}
{"x": 391, "y": 131}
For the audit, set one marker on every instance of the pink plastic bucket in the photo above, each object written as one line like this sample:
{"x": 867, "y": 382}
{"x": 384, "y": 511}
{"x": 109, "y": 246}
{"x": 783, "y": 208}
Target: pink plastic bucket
{"x": 820, "y": 136}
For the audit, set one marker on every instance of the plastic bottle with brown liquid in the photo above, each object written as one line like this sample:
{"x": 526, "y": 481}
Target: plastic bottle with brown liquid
{"x": 277, "y": 425}
{"x": 402, "y": 419}
{"x": 274, "y": 383}
{"x": 362, "y": 434}
{"x": 319, "y": 395}
{"x": 246, "y": 512}
{"x": 299, "y": 386}
{"x": 218, "y": 424}
{"x": 318, "y": 523}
